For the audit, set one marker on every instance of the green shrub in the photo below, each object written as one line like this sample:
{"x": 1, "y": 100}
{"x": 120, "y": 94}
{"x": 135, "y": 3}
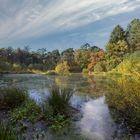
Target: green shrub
{"x": 11, "y": 97}
{"x": 5, "y": 66}
{"x": 131, "y": 64}
{"x": 100, "y": 67}
{"x": 85, "y": 70}
{"x": 17, "y": 67}
{"x": 123, "y": 99}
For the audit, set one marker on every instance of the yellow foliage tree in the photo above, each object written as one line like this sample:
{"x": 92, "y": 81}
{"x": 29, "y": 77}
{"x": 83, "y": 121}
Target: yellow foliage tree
{"x": 62, "y": 68}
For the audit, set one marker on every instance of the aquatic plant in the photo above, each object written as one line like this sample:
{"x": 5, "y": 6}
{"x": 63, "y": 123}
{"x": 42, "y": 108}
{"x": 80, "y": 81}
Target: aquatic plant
{"x": 11, "y": 97}
{"x": 59, "y": 100}
{"x": 58, "y": 108}
{"x": 7, "y": 132}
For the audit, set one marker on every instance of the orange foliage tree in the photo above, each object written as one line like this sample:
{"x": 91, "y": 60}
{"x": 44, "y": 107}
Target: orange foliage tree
{"x": 94, "y": 59}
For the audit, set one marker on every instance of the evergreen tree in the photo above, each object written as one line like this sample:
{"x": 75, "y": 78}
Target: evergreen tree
{"x": 133, "y": 35}
{"x": 117, "y": 34}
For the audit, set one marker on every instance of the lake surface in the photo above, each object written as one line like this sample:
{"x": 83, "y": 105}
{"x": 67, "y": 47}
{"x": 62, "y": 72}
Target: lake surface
{"x": 96, "y": 121}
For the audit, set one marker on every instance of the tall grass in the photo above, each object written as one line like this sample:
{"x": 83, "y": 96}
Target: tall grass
{"x": 59, "y": 100}
{"x": 11, "y": 97}
{"x": 7, "y": 132}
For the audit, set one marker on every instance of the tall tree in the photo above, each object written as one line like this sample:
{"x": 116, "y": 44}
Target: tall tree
{"x": 68, "y": 56}
{"x": 133, "y": 35}
{"x": 117, "y": 34}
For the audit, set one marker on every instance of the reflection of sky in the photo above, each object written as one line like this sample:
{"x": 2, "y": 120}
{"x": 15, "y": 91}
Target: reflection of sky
{"x": 96, "y": 123}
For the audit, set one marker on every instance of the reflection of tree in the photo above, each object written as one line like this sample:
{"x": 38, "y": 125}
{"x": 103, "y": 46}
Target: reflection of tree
{"x": 62, "y": 81}
{"x": 123, "y": 98}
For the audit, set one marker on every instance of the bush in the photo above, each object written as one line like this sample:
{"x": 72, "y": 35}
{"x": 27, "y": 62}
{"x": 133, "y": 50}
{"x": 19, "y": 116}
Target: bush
{"x": 5, "y": 66}
{"x": 11, "y": 97}
{"x": 100, "y": 67}
{"x": 62, "y": 68}
{"x": 123, "y": 98}
{"x": 85, "y": 71}
{"x": 17, "y": 68}
{"x": 130, "y": 65}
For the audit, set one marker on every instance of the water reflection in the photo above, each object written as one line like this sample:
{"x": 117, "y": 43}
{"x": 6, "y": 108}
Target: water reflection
{"x": 97, "y": 123}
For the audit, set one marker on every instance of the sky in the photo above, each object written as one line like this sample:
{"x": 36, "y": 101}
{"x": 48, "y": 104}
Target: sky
{"x": 62, "y": 24}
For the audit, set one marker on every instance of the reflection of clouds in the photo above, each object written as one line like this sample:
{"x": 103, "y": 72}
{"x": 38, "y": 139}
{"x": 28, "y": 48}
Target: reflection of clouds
{"x": 96, "y": 123}
{"x": 38, "y": 96}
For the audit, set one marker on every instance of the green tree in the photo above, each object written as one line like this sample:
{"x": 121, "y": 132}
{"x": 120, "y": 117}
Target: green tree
{"x": 117, "y": 34}
{"x": 115, "y": 53}
{"x": 133, "y": 35}
{"x": 68, "y": 56}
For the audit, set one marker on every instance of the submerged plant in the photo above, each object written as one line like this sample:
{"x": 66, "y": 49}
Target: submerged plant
{"x": 11, "y": 97}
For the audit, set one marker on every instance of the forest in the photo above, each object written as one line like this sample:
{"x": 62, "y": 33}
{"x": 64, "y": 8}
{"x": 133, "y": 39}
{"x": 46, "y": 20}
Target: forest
{"x": 122, "y": 46}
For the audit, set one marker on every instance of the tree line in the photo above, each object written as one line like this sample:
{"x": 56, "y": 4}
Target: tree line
{"x": 87, "y": 58}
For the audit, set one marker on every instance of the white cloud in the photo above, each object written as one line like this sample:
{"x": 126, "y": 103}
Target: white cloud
{"x": 33, "y": 18}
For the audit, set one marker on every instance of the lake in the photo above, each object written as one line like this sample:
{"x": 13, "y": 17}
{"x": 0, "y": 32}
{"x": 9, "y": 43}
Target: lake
{"x": 95, "y": 97}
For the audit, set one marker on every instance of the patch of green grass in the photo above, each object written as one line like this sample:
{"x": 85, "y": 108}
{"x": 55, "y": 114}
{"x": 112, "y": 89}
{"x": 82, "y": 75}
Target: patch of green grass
{"x": 11, "y": 97}
{"x": 28, "y": 111}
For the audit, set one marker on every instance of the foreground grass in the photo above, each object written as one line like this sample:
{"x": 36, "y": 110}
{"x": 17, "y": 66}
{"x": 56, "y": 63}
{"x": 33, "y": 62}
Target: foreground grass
{"x": 11, "y": 97}
{"x": 7, "y": 132}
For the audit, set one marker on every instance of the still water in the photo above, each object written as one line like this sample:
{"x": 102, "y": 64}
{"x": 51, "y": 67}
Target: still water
{"x": 97, "y": 121}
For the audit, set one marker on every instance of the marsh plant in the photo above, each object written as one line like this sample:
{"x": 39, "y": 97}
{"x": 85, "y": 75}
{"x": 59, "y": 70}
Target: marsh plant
{"x": 58, "y": 108}
{"x": 7, "y": 132}
{"x": 11, "y": 97}
{"x": 59, "y": 100}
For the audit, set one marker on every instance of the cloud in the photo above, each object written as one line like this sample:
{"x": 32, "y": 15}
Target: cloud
{"x": 31, "y": 19}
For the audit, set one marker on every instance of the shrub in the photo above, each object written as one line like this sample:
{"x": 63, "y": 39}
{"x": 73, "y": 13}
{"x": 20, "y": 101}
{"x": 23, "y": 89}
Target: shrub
{"x": 5, "y": 66}
{"x": 11, "y": 97}
{"x": 62, "y": 68}
{"x": 123, "y": 98}
{"x": 17, "y": 68}
{"x": 100, "y": 67}
{"x": 85, "y": 70}
{"x": 131, "y": 64}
